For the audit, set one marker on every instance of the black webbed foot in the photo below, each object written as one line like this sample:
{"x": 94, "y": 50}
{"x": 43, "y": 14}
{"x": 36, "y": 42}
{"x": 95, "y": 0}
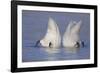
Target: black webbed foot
{"x": 37, "y": 43}
{"x": 77, "y": 45}
{"x": 50, "y": 45}
{"x": 82, "y": 44}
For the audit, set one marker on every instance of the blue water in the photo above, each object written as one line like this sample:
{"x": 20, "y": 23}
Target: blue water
{"x": 34, "y": 27}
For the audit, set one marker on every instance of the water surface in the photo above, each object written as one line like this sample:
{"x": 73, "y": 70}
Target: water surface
{"x": 34, "y": 27}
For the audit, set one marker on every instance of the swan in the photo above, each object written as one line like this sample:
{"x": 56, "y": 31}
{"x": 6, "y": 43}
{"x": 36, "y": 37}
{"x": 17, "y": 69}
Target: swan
{"x": 71, "y": 37}
{"x": 52, "y": 37}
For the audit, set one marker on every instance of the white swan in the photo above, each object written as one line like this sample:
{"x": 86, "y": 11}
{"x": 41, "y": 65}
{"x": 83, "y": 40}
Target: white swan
{"x": 52, "y": 38}
{"x": 71, "y": 36}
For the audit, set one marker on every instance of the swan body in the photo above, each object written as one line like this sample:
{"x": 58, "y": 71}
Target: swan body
{"x": 71, "y": 37}
{"x": 52, "y": 38}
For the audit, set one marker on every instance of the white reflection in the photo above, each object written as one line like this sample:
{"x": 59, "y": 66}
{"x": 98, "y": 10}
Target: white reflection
{"x": 51, "y": 50}
{"x": 72, "y": 50}
{"x": 52, "y": 53}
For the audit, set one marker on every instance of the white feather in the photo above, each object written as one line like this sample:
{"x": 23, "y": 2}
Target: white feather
{"x": 52, "y": 35}
{"x": 71, "y": 35}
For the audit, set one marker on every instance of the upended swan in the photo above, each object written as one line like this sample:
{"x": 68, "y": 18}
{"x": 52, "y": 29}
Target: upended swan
{"x": 71, "y": 37}
{"x": 52, "y": 38}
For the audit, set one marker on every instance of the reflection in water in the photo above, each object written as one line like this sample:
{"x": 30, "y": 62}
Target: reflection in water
{"x": 61, "y": 53}
{"x": 54, "y": 54}
{"x": 71, "y": 53}
{"x": 51, "y": 53}
{"x": 72, "y": 50}
{"x": 51, "y": 50}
